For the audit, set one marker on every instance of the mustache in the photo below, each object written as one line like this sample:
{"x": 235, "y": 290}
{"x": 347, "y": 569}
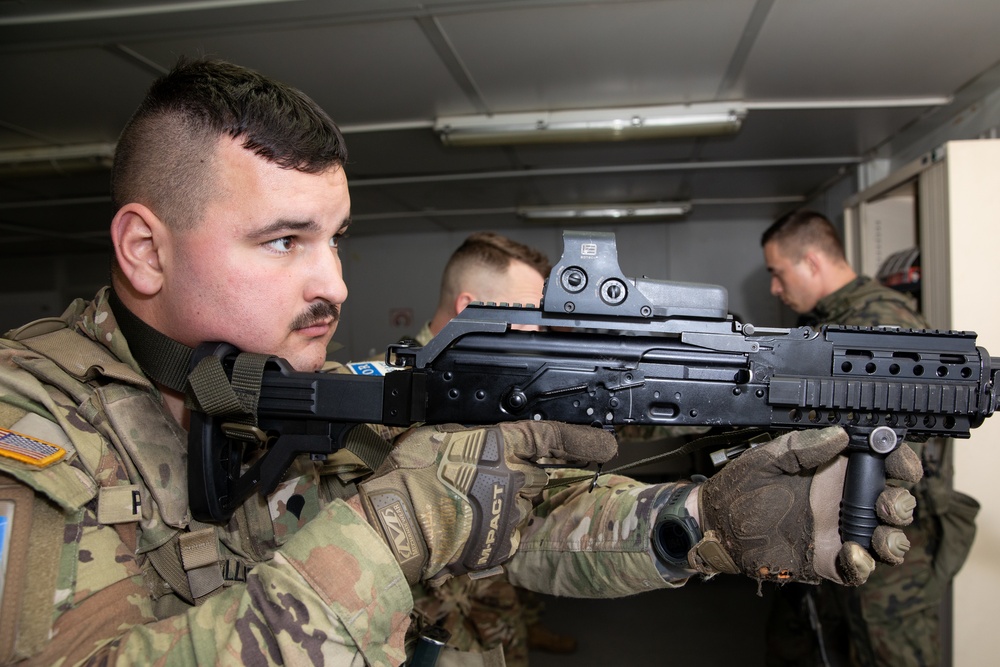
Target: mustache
{"x": 319, "y": 311}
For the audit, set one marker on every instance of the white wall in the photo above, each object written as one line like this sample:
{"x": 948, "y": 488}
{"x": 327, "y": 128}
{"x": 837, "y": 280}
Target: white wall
{"x": 974, "y": 202}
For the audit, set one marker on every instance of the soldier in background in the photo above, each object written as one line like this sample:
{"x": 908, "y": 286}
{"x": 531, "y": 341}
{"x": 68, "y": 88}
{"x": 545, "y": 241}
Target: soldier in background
{"x": 893, "y": 620}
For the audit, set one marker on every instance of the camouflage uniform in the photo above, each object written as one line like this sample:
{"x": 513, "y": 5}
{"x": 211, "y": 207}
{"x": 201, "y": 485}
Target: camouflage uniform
{"x": 115, "y": 569}
{"x": 893, "y": 619}
{"x": 591, "y": 544}
{"x": 322, "y": 587}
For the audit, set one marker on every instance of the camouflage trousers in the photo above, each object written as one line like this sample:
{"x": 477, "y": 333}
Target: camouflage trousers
{"x": 890, "y": 621}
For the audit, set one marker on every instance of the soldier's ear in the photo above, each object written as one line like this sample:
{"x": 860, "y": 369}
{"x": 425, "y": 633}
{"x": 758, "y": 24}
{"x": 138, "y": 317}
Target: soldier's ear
{"x": 463, "y": 300}
{"x": 815, "y": 261}
{"x": 139, "y": 237}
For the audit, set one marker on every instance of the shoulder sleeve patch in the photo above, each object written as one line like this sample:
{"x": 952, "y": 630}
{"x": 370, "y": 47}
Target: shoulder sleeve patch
{"x": 67, "y": 485}
{"x": 26, "y": 449}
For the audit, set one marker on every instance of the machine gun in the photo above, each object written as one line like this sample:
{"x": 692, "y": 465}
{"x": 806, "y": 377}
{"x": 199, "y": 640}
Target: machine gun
{"x": 611, "y": 351}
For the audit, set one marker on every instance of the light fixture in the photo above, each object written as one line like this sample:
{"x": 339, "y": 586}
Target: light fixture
{"x": 599, "y": 212}
{"x": 678, "y": 120}
{"x": 27, "y": 162}
{"x": 101, "y": 151}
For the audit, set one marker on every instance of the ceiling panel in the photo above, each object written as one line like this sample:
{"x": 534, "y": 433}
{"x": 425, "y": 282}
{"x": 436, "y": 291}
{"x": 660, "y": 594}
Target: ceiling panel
{"x": 41, "y": 23}
{"x": 611, "y": 153}
{"x": 67, "y": 96}
{"x": 859, "y": 48}
{"x": 810, "y": 133}
{"x": 417, "y": 152}
{"x": 512, "y": 192}
{"x": 754, "y": 182}
{"x": 599, "y": 55}
{"x": 359, "y": 73}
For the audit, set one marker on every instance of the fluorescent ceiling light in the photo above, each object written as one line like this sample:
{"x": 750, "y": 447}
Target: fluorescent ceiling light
{"x": 605, "y": 211}
{"x": 679, "y": 120}
{"x": 101, "y": 151}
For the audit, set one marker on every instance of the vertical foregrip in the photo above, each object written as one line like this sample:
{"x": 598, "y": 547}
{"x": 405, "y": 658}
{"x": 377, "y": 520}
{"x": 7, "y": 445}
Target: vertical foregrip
{"x": 865, "y": 481}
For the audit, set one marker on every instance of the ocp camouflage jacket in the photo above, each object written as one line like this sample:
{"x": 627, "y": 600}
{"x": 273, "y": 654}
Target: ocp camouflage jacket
{"x": 113, "y": 567}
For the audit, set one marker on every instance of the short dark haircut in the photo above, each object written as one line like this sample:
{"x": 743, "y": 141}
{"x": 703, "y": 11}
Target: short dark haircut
{"x": 801, "y": 230}
{"x": 165, "y": 154}
{"x": 493, "y": 251}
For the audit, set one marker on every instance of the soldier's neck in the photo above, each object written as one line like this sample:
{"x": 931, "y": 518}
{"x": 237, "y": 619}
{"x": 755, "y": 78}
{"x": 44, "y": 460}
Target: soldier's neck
{"x": 173, "y": 401}
{"x": 837, "y": 277}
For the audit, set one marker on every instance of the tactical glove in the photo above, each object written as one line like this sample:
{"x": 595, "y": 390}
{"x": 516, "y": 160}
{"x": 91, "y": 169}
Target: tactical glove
{"x": 773, "y": 513}
{"x": 448, "y": 499}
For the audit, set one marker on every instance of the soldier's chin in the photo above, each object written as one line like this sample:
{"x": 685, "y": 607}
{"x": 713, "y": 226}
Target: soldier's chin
{"x": 310, "y": 368}
{"x": 310, "y": 360}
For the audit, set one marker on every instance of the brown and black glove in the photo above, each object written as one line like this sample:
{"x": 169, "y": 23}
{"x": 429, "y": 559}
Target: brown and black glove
{"x": 449, "y": 499}
{"x": 773, "y": 513}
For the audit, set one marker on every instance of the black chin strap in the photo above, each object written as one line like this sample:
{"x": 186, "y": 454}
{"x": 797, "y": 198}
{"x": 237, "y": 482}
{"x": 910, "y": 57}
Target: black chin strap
{"x": 163, "y": 359}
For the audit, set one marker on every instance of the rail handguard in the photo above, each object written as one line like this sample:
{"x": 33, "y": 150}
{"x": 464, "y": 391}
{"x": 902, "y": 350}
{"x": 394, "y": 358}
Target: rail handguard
{"x": 614, "y": 351}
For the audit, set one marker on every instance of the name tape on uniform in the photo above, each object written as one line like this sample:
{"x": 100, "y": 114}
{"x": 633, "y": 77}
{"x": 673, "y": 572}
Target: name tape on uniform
{"x": 27, "y": 449}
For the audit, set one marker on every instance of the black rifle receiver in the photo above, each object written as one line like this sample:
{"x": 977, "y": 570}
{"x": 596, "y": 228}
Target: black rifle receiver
{"x": 614, "y": 351}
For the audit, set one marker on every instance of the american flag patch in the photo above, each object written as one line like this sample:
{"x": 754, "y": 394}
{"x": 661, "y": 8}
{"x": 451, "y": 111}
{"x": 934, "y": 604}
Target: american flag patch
{"x": 29, "y": 450}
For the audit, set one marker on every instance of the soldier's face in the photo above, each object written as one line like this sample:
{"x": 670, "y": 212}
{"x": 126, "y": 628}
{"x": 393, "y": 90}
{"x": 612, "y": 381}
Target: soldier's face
{"x": 260, "y": 270}
{"x": 792, "y": 280}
